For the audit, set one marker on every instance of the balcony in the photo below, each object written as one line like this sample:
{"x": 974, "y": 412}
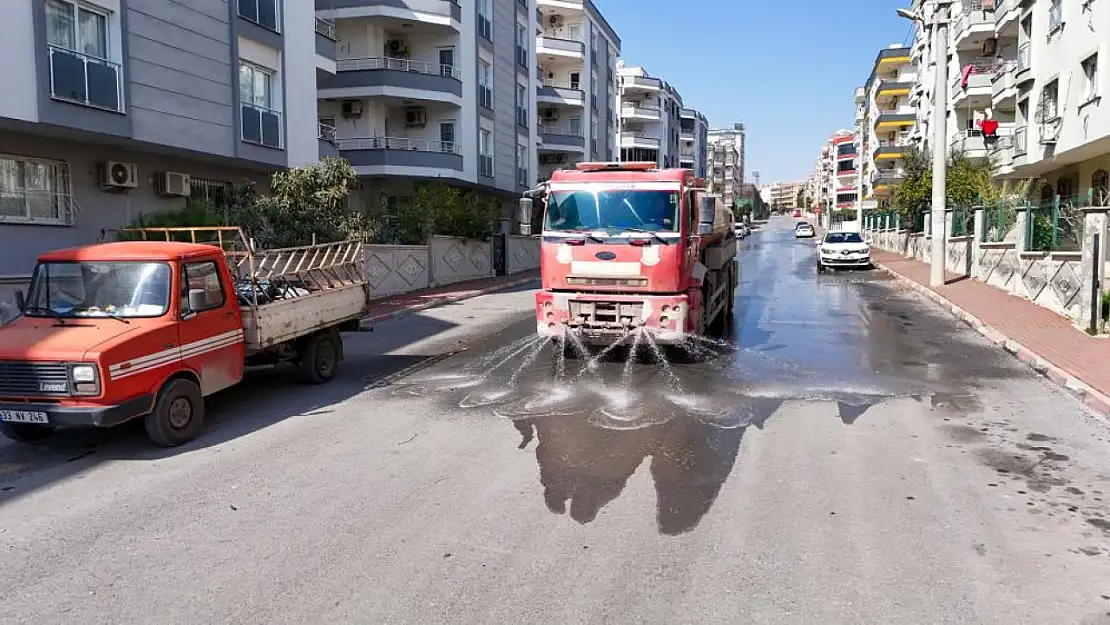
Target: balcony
{"x": 1006, "y": 14}
{"x": 888, "y": 121}
{"x": 977, "y": 92}
{"x": 325, "y": 38}
{"x": 435, "y": 12}
{"x": 633, "y": 139}
{"x": 550, "y": 46}
{"x": 1002, "y": 156}
{"x": 385, "y": 76}
{"x": 644, "y": 84}
{"x": 970, "y": 143}
{"x": 556, "y": 136}
{"x": 641, "y": 112}
{"x": 325, "y": 136}
{"x": 861, "y": 94}
{"x": 972, "y": 26}
{"x": 261, "y": 126}
{"x": 87, "y": 80}
{"x": 686, "y": 135}
{"x": 565, "y": 93}
{"x": 1004, "y": 85}
{"x": 408, "y": 152}
{"x": 893, "y": 89}
{"x": 888, "y": 151}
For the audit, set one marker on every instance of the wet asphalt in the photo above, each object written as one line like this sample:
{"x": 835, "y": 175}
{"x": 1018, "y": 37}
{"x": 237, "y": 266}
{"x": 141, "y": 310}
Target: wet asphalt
{"x": 847, "y": 453}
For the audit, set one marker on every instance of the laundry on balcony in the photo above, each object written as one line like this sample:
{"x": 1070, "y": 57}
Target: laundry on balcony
{"x": 965, "y": 75}
{"x": 989, "y": 128}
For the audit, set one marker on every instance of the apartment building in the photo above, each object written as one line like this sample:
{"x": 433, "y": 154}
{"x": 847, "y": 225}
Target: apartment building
{"x": 785, "y": 195}
{"x": 112, "y": 109}
{"x": 725, "y": 163}
{"x": 886, "y": 119}
{"x": 693, "y": 141}
{"x": 576, "y": 73}
{"x": 1025, "y": 87}
{"x": 650, "y": 111}
{"x": 820, "y": 182}
{"x": 432, "y": 90}
{"x": 735, "y": 136}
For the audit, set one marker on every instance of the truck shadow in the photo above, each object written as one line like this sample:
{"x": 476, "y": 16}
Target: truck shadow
{"x": 265, "y": 398}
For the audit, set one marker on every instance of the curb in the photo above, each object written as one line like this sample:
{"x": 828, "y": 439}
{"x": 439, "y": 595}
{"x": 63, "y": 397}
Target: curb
{"x": 442, "y": 301}
{"x": 1090, "y": 397}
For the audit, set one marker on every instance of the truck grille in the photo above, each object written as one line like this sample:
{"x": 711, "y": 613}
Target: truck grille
{"x": 575, "y": 281}
{"x": 19, "y": 378}
{"x": 595, "y": 314}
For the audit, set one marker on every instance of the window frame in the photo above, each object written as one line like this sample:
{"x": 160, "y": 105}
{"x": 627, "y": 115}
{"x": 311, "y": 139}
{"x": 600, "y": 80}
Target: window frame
{"x": 1090, "y": 87}
{"x": 485, "y": 84}
{"x": 278, "y": 17}
{"x": 270, "y": 75}
{"x": 76, "y": 8}
{"x": 184, "y": 304}
{"x": 63, "y": 193}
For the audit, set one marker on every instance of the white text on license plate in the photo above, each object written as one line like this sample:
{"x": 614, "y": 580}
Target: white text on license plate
{"x": 23, "y": 416}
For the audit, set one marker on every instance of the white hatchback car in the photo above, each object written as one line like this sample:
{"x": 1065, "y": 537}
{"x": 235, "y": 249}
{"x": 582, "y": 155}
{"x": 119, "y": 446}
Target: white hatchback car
{"x": 804, "y": 230}
{"x": 841, "y": 248}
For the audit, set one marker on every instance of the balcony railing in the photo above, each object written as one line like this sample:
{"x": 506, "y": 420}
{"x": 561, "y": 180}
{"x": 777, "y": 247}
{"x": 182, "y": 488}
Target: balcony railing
{"x": 485, "y": 164}
{"x": 325, "y": 132}
{"x": 399, "y": 143}
{"x": 573, "y": 46}
{"x": 398, "y": 65}
{"x": 261, "y": 125}
{"x": 640, "y": 109}
{"x": 562, "y": 84}
{"x": 85, "y": 79}
{"x": 326, "y": 28}
{"x": 972, "y": 15}
{"x": 566, "y": 130}
{"x": 639, "y": 137}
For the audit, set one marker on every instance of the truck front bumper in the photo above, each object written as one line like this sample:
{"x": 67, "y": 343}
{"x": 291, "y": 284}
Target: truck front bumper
{"x": 601, "y": 318}
{"x": 76, "y": 415}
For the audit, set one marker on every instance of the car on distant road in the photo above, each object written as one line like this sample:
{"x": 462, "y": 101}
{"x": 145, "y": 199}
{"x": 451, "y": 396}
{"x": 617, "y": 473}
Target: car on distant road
{"x": 742, "y": 230}
{"x": 842, "y": 248}
{"x": 804, "y": 230}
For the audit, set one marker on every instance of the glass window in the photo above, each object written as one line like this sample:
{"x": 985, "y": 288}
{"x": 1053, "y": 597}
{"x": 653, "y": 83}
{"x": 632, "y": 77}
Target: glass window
{"x": 485, "y": 142}
{"x": 255, "y": 86}
{"x": 99, "y": 289}
{"x": 655, "y": 211}
{"x": 34, "y": 190}
{"x": 202, "y": 288}
{"x": 77, "y": 28}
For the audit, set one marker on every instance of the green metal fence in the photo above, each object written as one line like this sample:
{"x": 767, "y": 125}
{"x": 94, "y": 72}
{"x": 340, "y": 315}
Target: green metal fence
{"x": 999, "y": 220}
{"x": 1055, "y": 224}
{"x": 963, "y": 221}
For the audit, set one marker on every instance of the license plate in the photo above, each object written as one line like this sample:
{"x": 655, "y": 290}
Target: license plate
{"x": 23, "y": 416}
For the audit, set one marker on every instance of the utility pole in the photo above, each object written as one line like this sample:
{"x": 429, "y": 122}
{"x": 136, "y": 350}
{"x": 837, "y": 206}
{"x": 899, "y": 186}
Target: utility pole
{"x": 940, "y": 145}
{"x": 939, "y": 220}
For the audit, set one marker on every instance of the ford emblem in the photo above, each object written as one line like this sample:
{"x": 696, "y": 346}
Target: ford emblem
{"x": 605, "y": 256}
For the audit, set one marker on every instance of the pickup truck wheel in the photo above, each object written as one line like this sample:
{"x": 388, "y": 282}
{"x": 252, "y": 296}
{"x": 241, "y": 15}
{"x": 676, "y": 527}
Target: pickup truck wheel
{"x": 320, "y": 359}
{"x": 26, "y": 432}
{"x": 178, "y": 415}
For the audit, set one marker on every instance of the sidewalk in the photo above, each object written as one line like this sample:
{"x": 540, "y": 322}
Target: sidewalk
{"x": 1046, "y": 341}
{"x": 403, "y": 304}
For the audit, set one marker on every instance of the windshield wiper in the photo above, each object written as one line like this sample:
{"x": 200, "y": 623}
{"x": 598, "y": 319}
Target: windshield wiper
{"x": 104, "y": 312}
{"x": 50, "y": 312}
{"x": 654, "y": 235}
{"x": 588, "y": 234}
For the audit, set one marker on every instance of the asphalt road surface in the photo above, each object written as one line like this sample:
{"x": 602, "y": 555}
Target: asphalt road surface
{"x": 853, "y": 455}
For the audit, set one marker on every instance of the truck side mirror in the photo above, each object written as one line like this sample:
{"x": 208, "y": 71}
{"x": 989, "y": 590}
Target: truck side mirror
{"x": 195, "y": 302}
{"x": 20, "y": 301}
{"x": 525, "y": 216}
{"x": 707, "y": 215}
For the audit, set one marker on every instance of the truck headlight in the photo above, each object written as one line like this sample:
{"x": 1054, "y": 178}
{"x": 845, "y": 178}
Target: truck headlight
{"x": 86, "y": 379}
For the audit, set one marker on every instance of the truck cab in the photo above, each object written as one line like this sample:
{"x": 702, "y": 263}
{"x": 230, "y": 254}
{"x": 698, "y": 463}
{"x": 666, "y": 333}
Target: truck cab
{"x": 110, "y": 330}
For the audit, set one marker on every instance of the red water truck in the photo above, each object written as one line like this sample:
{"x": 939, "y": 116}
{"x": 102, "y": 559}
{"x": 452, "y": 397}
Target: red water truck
{"x": 627, "y": 246}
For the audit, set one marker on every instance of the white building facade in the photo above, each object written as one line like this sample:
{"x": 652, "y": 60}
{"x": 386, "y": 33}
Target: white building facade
{"x": 693, "y": 142}
{"x": 650, "y": 113}
{"x": 576, "y": 66}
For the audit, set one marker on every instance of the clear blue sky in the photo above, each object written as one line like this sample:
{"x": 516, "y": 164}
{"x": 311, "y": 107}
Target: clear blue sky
{"x": 787, "y": 69}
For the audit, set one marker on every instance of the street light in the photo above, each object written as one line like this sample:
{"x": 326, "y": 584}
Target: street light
{"x": 939, "y": 24}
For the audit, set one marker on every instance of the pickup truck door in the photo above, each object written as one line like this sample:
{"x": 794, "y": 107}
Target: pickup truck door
{"x": 210, "y": 332}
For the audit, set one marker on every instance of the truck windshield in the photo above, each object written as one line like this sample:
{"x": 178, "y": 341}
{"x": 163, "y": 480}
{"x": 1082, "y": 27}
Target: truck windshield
{"x": 656, "y": 211}
{"x": 99, "y": 289}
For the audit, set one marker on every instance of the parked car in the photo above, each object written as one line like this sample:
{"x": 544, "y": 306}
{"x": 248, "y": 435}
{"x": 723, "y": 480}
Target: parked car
{"x": 804, "y": 230}
{"x": 843, "y": 249}
{"x": 742, "y": 230}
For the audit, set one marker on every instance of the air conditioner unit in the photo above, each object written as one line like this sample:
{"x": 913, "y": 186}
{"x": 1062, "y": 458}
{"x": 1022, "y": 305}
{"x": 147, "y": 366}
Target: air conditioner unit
{"x": 117, "y": 175}
{"x": 990, "y": 46}
{"x": 555, "y": 20}
{"x": 415, "y": 117}
{"x": 550, "y": 115}
{"x": 396, "y": 48}
{"x": 352, "y": 108}
{"x": 172, "y": 184}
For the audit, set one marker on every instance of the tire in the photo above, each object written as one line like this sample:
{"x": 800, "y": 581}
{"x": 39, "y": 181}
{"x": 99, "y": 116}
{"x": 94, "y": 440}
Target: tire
{"x": 820, "y": 267}
{"x": 26, "y": 432}
{"x": 178, "y": 415}
{"x": 320, "y": 357}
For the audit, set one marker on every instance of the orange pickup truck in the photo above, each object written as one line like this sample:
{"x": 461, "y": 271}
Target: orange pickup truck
{"x": 146, "y": 329}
